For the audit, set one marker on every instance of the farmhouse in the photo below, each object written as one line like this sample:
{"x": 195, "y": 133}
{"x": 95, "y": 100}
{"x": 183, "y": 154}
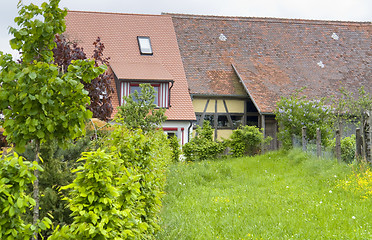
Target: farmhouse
{"x": 237, "y": 68}
{"x": 142, "y": 49}
{"x": 228, "y": 70}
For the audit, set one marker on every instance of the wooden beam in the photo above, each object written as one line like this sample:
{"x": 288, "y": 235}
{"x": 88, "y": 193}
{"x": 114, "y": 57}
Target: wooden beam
{"x": 201, "y": 120}
{"x": 245, "y": 113}
{"x": 228, "y": 115}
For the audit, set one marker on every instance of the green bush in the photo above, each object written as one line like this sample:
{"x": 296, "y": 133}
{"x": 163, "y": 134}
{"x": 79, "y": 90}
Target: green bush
{"x": 295, "y": 112}
{"x": 348, "y": 147}
{"x": 57, "y": 164}
{"x": 202, "y": 146}
{"x": 176, "y": 150}
{"x": 124, "y": 180}
{"x": 247, "y": 140}
{"x": 146, "y": 155}
{"x": 94, "y": 201}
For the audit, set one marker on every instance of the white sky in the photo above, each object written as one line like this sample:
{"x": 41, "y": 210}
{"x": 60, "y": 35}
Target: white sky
{"x": 343, "y": 10}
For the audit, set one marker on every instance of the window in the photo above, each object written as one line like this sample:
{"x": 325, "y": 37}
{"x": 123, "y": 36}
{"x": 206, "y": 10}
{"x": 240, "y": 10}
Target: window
{"x": 222, "y": 120}
{"x": 136, "y": 87}
{"x": 144, "y": 44}
{"x": 161, "y": 92}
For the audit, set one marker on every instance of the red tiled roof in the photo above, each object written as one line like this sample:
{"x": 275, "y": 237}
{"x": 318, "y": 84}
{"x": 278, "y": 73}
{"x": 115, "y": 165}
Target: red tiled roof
{"x": 274, "y": 57}
{"x": 118, "y": 32}
{"x": 140, "y": 71}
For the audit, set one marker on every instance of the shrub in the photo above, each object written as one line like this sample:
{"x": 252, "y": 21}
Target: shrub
{"x": 94, "y": 205}
{"x": 145, "y": 155}
{"x": 247, "y": 140}
{"x": 176, "y": 150}
{"x": 3, "y": 142}
{"x": 348, "y": 146}
{"x": 57, "y": 165}
{"x": 117, "y": 193}
{"x": 202, "y": 146}
{"x": 295, "y": 112}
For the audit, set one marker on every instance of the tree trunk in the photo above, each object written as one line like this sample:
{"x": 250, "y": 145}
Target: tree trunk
{"x": 36, "y": 191}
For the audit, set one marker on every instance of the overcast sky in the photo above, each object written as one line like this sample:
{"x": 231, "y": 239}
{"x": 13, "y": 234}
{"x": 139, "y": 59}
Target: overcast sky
{"x": 343, "y": 10}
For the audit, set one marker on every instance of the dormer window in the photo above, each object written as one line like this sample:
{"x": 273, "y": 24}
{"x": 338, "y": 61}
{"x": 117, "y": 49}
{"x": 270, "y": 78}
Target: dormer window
{"x": 144, "y": 44}
{"x": 162, "y": 92}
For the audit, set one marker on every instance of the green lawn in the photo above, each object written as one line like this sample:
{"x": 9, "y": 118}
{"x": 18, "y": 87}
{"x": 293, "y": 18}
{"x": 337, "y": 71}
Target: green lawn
{"x": 273, "y": 196}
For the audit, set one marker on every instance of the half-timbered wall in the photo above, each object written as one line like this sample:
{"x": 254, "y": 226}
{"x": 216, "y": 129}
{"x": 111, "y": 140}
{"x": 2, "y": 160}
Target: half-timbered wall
{"x": 224, "y": 114}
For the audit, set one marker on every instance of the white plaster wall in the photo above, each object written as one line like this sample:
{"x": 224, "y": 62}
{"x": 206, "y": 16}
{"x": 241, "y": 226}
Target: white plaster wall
{"x": 182, "y": 129}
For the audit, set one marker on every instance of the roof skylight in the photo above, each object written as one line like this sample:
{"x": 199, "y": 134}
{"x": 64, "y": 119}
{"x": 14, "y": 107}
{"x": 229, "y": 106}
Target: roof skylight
{"x": 144, "y": 44}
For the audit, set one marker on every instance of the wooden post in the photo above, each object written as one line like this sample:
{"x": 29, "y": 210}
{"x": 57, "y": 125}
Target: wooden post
{"x": 263, "y": 126}
{"x": 276, "y": 144}
{"x": 358, "y": 143}
{"x": 318, "y": 143}
{"x": 215, "y": 121}
{"x": 370, "y": 137}
{"x": 338, "y": 145}
{"x": 304, "y": 142}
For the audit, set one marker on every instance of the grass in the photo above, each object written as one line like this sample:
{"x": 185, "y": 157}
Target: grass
{"x": 273, "y": 196}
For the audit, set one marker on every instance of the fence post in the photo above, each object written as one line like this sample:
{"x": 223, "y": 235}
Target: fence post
{"x": 318, "y": 143}
{"x": 358, "y": 143}
{"x": 370, "y": 137}
{"x": 304, "y": 142}
{"x": 338, "y": 145}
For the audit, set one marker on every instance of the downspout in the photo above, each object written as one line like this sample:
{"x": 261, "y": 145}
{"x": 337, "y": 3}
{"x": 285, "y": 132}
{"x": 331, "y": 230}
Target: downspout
{"x": 188, "y": 132}
{"x": 169, "y": 105}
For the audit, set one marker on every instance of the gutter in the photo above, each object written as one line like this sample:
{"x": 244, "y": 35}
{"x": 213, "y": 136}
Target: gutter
{"x": 218, "y": 95}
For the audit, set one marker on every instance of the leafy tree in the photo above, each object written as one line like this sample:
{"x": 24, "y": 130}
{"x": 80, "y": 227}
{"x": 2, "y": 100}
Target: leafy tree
{"x": 39, "y": 102}
{"x": 295, "y": 112}
{"x": 139, "y": 110}
{"x": 99, "y": 88}
{"x": 15, "y": 176}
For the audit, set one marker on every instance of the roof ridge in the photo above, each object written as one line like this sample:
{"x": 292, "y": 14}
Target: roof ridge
{"x": 267, "y": 19}
{"x": 117, "y": 13}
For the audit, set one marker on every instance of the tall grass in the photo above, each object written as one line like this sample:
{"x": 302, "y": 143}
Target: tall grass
{"x": 274, "y": 196}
